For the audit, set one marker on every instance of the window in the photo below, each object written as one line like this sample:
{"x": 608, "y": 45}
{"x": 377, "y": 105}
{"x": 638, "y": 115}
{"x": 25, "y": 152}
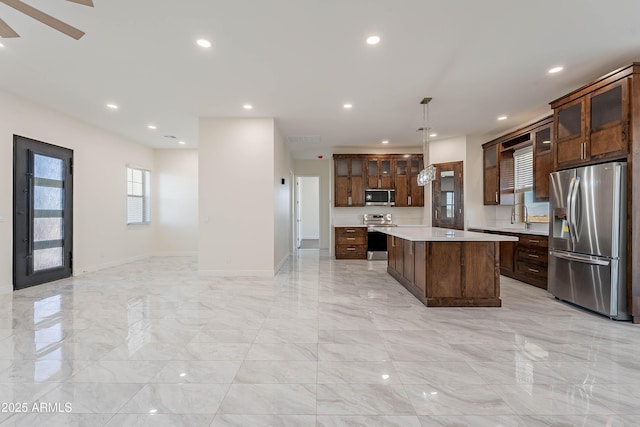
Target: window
{"x": 523, "y": 162}
{"x": 138, "y": 190}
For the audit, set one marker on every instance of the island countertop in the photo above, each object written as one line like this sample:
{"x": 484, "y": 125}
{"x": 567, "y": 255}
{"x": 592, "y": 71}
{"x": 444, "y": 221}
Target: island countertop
{"x": 435, "y": 234}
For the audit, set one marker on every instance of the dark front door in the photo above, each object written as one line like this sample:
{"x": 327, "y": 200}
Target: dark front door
{"x": 42, "y": 212}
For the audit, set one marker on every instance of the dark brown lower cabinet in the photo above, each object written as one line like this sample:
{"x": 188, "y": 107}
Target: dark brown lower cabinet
{"x": 525, "y": 260}
{"x": 447, "y": 274}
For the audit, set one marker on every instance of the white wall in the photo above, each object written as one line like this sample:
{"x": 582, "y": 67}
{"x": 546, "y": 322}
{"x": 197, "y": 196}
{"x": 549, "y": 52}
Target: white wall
{"x": 101, "y": 235}
{"x": 310, "y": 207}
{"x": 322, "y": 169}
{"x": 236, "y": 196}
{"x": 175, "y": 202}
{"x": 282, "y": 220}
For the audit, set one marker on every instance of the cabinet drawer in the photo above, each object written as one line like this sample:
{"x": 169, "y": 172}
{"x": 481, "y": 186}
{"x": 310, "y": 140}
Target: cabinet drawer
{"x": 351, "y": 251}
{"x": 532, "y": 240}
{"x": 535, "y": 271}
{"x": 351, "y": 232}
{"x": 532, "y": 254}
{"x": 351, "y": 239}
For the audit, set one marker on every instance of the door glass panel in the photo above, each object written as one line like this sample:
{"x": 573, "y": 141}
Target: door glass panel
{"x": 47, "y": 258}
{"x": 401, "y": 167}
{"x": 447, "y": 203}
{"x": 543, "y": 141}
{"x": 342, "y": 168}
{"x": 490, "y": 157}
{"x": 373, "y": 168}
{"x": 48, "y": 167}
{"x": 570, "y": 121}
{"x": 606, "y": 107}
{"x": 47, "y": 198}
{"x": 385, "y": 165}
{"x": 47, "y": 229}
{"x": 415, "y": 166}
{"x": 48, "y": 205}
{"x": 356, "y": 167}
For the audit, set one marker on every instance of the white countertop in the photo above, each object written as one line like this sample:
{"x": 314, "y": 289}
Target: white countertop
{"x": 434, "y": 234}
{"x": 510, "y": 230}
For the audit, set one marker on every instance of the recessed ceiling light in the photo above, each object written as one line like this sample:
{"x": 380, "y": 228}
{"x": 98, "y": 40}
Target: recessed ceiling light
{"x": 203, "y": 43}
{"x": 555, "y": 70}
{"x": 112, "y": 106}
{"x": 373, "y": 40}
{"x": 247, "y": 106}
{"x": 1, "y": 45}
{"x": 502, "y": 118}
{"x": 152, "y": 127}
{"x": 347, "y": 106}
{"x": 433, "y": 135}
{"x": 386, "y": 141}
{"x": 181, "y": 142}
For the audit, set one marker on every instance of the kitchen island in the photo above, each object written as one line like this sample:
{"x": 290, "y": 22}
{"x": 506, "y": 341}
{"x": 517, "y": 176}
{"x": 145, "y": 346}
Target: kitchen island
{"x": 446, "y": 268}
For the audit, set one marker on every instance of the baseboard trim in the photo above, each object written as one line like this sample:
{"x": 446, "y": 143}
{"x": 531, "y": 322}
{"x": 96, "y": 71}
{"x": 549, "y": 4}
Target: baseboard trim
{"x": 93, "y": 268}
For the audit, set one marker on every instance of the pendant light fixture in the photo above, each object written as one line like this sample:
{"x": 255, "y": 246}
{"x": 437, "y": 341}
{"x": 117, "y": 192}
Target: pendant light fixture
{"x": 427, "y": 174}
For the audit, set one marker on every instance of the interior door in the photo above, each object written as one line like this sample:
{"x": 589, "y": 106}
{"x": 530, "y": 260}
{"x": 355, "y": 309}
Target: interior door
{"x": 43, "y": 212}
{"x": 448, "y": 196}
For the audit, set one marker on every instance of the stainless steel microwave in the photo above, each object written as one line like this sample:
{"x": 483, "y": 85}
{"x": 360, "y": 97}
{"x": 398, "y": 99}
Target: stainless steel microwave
{"x": 380, "y": 197}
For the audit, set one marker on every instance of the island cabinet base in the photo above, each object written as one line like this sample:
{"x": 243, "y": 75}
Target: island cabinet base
{"x": 447, "y": 274}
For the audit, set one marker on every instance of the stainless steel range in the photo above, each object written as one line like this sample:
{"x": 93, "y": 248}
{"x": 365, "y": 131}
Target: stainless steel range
{"x": 376, "y": 240}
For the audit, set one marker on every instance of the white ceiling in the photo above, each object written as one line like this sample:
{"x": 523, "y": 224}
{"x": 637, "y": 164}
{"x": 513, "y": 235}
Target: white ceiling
{"x": 300, "y": 60}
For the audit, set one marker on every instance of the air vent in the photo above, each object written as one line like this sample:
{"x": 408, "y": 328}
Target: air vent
{"x": 304, "y": 139}
{"x": 170, "y": 136}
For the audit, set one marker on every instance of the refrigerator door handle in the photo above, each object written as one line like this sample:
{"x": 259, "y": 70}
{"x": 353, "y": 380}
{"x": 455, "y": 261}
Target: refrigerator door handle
{"x": 570, "y": 210}
{"x": 579, "y": 258}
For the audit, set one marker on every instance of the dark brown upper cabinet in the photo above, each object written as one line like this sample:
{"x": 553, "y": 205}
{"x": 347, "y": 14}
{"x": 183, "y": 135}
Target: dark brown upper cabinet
{"x": 349, "y": 181}
{"x": 499, "y": 166}
{"x": 592, "y": 127}
{"x": 354, "y": 173}
{"x": 379, "y": 173}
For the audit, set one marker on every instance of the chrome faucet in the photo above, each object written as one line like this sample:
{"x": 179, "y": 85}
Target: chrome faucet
{"x": 526, "y": 214}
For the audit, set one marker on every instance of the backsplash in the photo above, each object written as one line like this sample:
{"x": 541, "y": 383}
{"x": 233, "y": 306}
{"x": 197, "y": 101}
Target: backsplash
{"x": 401, "y": 216}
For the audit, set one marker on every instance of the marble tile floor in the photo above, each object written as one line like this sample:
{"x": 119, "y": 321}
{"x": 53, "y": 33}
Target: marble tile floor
{"x": 324, "y": 343}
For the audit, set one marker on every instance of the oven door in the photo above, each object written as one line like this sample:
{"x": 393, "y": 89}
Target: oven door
{"x": 376, "y": 245}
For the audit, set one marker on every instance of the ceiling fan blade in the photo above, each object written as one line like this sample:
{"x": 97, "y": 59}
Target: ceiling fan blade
{"x": 6, "y": 31}
{"x": 83, "y": 2}
{"x": 49, "y": 20}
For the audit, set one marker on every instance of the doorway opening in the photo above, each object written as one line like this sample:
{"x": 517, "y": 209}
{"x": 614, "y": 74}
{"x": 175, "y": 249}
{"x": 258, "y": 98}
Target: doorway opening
{"x": 42, "y": 212}
{"x": 308, "y": 212}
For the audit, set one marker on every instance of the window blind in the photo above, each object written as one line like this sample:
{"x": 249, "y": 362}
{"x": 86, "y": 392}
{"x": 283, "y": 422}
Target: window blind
{"x": 523, "y": 169}
{"x": 138, "y": 191}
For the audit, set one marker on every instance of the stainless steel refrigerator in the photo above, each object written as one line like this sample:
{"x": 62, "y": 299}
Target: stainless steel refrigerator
{"x": 588, "y": 238}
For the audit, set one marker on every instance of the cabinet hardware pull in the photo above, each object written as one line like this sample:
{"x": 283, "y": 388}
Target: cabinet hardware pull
{"x": 533, "y": 270}
{"x": 409, "y": 200}
{"x": 534, "y": 256}
{"x": 534, "y": 241}
{"x": 351, "y": 249}
{"x": 350, "y": 230}
{"x": 351, "y": 238}
{"x": 496, "y": 197}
